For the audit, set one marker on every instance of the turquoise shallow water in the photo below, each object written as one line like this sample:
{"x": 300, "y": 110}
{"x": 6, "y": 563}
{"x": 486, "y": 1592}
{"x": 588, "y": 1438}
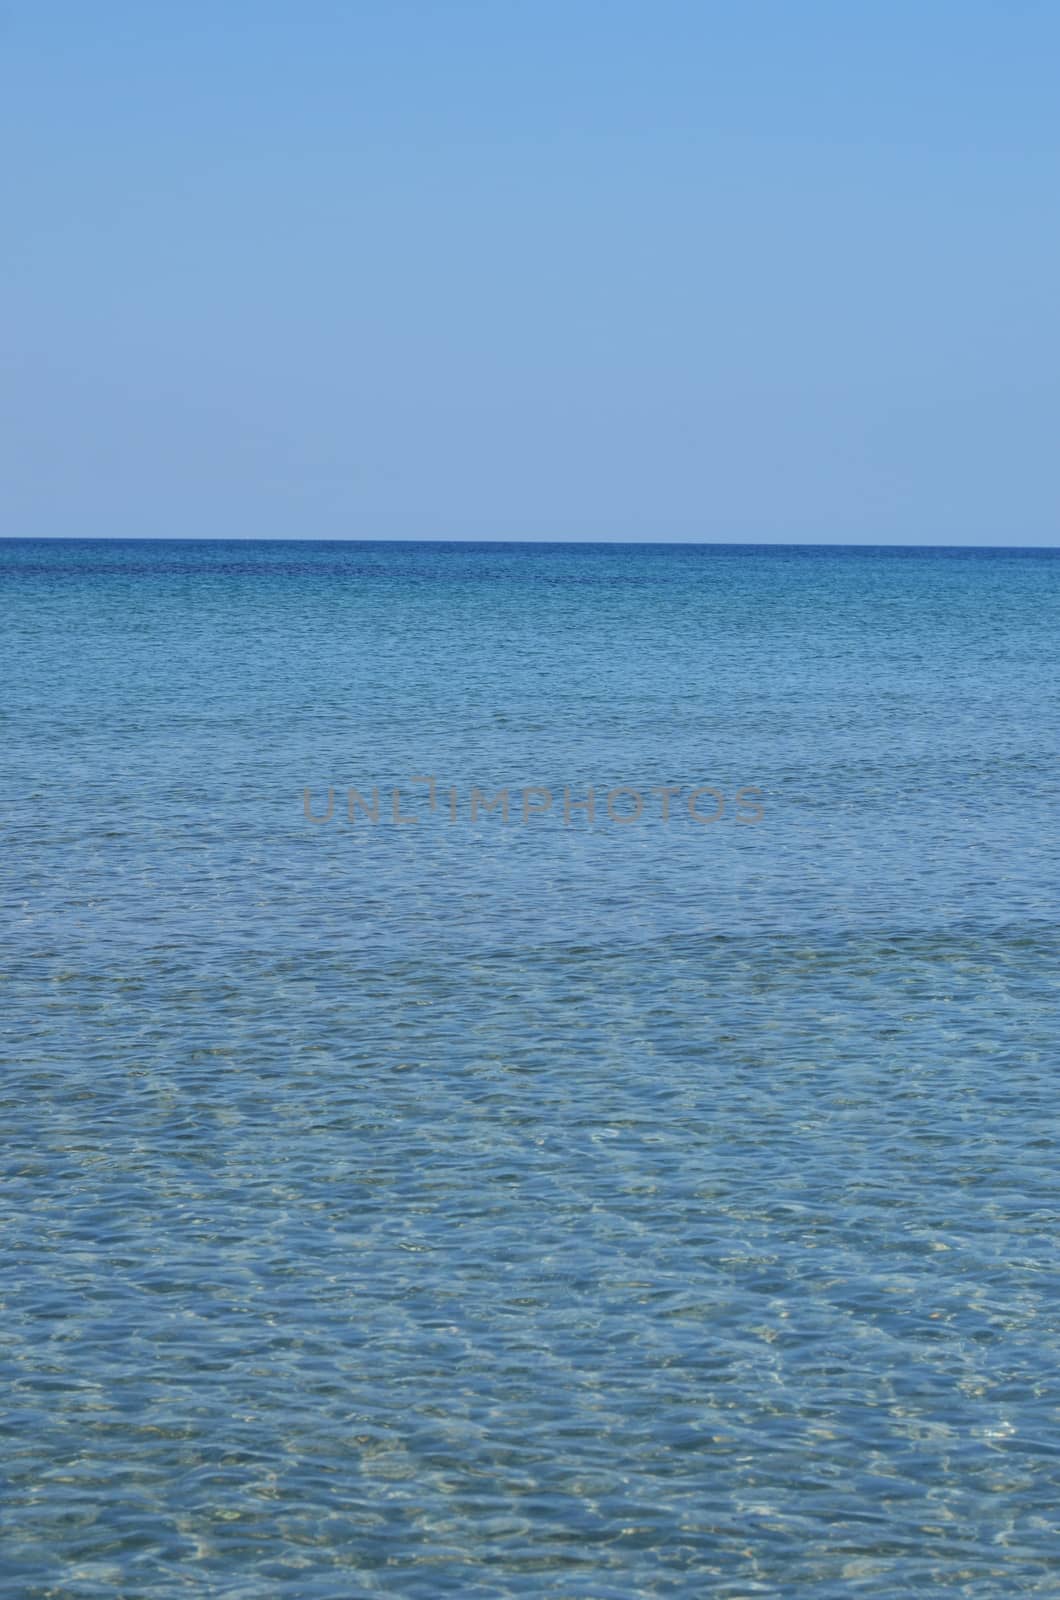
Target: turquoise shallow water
{"x": 482, "y": 1209}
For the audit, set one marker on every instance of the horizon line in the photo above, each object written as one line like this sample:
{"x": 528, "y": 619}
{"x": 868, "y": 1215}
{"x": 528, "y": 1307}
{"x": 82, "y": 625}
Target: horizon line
{"x": 642, "y": 544}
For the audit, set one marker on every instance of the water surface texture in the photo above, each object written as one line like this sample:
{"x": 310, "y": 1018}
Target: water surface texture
{"x": 597, "y": 1209}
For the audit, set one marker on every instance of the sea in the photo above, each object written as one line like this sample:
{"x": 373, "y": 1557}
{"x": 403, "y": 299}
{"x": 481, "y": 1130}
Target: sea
{"x": 528, "y": 1070}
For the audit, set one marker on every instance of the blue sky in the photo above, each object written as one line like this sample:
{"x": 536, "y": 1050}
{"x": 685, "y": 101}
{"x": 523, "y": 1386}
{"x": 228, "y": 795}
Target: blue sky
{"x": 742, "y": 271}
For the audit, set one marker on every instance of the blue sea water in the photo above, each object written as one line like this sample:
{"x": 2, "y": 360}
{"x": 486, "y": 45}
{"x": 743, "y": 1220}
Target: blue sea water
{"x": 592, "y": 1209}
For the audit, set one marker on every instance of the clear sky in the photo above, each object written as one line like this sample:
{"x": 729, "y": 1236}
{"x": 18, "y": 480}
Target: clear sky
{"x": 587, "y": 269}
